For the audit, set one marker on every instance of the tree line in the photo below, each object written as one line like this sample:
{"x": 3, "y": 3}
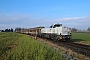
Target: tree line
{"x": 18, "y": 29}
{"x": 77, "y": 30}
{"x": 7, "y": 30}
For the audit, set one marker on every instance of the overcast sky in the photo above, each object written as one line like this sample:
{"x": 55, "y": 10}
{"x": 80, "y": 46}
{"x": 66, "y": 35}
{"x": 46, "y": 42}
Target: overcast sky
{"x": 33, "y": 13}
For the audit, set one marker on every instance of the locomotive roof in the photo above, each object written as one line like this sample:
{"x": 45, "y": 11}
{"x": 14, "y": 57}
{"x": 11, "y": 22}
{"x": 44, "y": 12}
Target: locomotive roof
{"x": 58, "y": 24}
{"x": 37, "y": 27}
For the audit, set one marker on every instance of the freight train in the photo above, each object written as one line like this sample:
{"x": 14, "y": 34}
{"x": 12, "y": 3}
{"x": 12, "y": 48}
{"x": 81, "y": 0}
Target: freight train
{"x": 55, "y": 32}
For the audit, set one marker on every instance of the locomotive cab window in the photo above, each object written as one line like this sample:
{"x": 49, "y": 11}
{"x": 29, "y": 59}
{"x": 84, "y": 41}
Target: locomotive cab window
{"x": 50, "y": 26}
{"x": 57, "y": 25}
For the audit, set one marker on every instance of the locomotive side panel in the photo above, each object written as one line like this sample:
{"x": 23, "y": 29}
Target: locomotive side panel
{"x": 56, "y": 32}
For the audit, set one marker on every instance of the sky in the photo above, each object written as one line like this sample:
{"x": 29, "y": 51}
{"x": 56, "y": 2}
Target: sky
{"x": 34, "y": 13}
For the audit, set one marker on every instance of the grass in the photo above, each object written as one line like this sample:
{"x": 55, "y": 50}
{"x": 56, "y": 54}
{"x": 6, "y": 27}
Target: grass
{"x": 81, "y": 37}
{"x": 14, "y": 46}
{"x": 6, "y": 40}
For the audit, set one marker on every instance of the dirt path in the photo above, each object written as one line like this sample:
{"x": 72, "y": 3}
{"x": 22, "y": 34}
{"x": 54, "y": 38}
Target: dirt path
{"x": 83, "y": 42}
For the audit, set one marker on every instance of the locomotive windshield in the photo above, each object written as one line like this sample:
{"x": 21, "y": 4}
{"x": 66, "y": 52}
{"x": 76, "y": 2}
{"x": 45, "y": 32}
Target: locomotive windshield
{"x": 57, "y": 25}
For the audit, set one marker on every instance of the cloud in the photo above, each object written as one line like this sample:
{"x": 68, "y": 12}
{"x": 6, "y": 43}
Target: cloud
{"x": 27, "y": 21}
{"x": 5, "y": 26}
{"x": 12, "y": 17}
{"x": 73, "y": 19}
{"x": 77, "y": 22}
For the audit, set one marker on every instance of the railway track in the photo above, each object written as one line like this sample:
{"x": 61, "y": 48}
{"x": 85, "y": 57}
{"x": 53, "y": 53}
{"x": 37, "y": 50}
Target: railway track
{"x": 79, "y": 45}
{"x": 79, "y": 48}
{"x": 75, "y": 47}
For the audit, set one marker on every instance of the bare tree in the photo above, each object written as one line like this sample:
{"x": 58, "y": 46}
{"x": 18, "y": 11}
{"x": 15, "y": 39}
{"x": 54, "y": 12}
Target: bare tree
{"x": 88, "y": 29}
{"x": 74, "y": 29}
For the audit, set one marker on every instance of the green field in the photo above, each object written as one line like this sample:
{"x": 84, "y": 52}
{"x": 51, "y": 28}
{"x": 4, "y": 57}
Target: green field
{"x": 81, "y": 37}
{"x": 14, "y": 46}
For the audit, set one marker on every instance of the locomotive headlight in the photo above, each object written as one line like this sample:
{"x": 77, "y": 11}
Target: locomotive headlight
{"x": 68, "y": 37}
{"x": 60, "y": 37}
